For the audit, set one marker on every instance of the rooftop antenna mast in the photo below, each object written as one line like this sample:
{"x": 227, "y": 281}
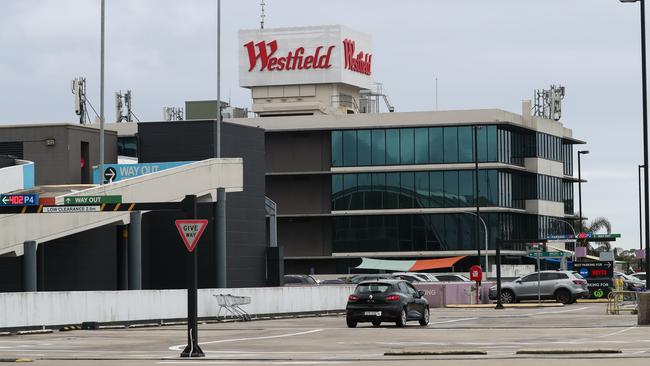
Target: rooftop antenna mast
{"x": 78, "y": 86}
{"x": 122, "y": 100}
{"x": 262, "y": 16}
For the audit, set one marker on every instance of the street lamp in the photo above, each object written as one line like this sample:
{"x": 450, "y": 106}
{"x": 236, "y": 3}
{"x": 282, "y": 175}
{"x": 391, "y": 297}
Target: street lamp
{"x": 644, "y": 89}
{"x": 640, "y": 215}
{"x": 580, "y": 187}
{"x": 476, "y": 197}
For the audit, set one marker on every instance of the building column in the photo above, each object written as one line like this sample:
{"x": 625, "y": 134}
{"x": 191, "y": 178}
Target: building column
{"x": 220, "y": 238}
{"x": 29, "y": 266}
{"x": 135, "y": 251}
{"x": 40, "y": 267}
{"x": 122, "y": 265}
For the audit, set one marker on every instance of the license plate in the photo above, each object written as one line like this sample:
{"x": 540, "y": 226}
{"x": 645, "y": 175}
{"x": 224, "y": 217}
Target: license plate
{"x": 372, "y": 313}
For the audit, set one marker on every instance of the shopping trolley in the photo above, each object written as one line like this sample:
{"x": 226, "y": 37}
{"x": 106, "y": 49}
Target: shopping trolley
{"x": 231, "y": 306}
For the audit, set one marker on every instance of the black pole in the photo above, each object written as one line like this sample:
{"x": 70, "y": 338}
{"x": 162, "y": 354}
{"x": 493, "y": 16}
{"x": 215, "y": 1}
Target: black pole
{"x": 476, "y": 200}
{"x": 645, "y": 142}
{"x": 498, "y": 254}
{"x": 640, "y": 218}
{"x": 579, "y": 196}
{"x": 192, "y": 349}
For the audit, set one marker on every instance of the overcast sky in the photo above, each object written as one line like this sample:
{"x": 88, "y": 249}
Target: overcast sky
{"x": 485, "y": 54}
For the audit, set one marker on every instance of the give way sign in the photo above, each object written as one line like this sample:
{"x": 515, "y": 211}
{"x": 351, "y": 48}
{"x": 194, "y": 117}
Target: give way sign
{"x": 191, "y": 231}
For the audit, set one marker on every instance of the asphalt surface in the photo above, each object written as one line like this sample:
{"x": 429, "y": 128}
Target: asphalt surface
{"x": 327, "y": 341}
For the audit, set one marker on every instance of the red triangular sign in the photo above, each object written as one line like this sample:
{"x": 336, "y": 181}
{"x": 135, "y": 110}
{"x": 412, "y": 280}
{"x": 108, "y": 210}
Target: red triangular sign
{"x": 191, "y": 231}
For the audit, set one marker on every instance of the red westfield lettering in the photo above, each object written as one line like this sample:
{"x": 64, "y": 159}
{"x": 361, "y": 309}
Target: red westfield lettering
{"x": 599, "y": 272}
{"x": 293, "y": 60}
{"x": 359, "y": 63}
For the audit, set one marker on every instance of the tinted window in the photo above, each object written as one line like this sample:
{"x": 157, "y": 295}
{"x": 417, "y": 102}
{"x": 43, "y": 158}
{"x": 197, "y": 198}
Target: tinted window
{"x": 451, "y": 144}
{"x": 407, "y": 148}
{"x": 411, "y": 289}
{"x": 448, "y": 278}
{"x": 548, "y": 277}
{"x": 337, "y": 148}
{"x": 378, "y": 147}
{"x": 363, "y": 147}
{"x": 349, "y": 148}
{"x": 292, "y": 280}
{"x": 373, "y": 288}
{"x": 530, "y": 278}
{"x": 421, "y": 145}
{"x": 465, "y": 145}
{"x": 435, "y": 145}
{"x": 403, "y": 288}
{"x": 577, "y": 275}
{"x": 392, "y": 147}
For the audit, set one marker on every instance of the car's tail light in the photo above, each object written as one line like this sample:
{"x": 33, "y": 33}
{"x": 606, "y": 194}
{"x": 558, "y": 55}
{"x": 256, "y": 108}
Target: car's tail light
{"x": 579, "y": 282}
{"x": 392, "y": 298}
{"x": 353, "y": 298}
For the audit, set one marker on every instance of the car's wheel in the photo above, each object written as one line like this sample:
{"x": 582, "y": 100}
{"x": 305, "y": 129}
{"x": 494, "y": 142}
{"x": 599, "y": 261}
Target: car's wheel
{"x": 351, "y": 323}
{"x": 425, "y": 317}
{"x": 401, "y": 321}
{"x": 507, "y": 297}
{"x": 376, "y": 323}
{"x": 563, "y": 296}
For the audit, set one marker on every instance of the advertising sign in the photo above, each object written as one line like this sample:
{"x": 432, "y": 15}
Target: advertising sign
{"x": 594, "y": 269}
{"x": 599, "y": 288}
{"x": 117, "y": 172}
{"x": 305, "y": 55}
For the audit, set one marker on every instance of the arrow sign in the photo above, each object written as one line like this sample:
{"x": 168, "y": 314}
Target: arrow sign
{"x": 191, "y": 231}
{"x": 109, "y": 174}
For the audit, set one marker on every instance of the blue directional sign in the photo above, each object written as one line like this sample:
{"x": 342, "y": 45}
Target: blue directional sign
{"x": 19, "y": 200}
{"x": 117, "y": 172}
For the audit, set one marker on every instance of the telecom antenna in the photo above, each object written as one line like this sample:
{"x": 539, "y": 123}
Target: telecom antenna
{"x": 78, "y": 86}
{"x": 172, "y": 114}
{"x": 122, "y": 100}
{"x": 548, "y": 102}
{"x": 262, "y": 16}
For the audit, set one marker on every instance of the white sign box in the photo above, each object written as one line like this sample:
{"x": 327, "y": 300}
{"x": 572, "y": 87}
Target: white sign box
{"x": 305, "y": 55}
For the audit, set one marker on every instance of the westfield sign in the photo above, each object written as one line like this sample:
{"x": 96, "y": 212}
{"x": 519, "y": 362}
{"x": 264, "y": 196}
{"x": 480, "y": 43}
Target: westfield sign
{"x": 265, "y": 56}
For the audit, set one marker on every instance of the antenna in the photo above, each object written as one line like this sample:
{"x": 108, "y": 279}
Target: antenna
{"x": 548, "y": 102}
{"x": 78, "y": 86}
{"x": 262, "y": 16}
{"x": 172, "y": 113}
{"x": 122, "y": 100}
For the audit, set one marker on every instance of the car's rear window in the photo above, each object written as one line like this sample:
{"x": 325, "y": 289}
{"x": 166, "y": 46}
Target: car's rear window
{"x": 577, "y": 275}
{"x": 373, "y": 288}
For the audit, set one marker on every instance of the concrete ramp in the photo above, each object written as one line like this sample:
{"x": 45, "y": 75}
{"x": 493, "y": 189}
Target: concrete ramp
{"x": 201, "y": 178}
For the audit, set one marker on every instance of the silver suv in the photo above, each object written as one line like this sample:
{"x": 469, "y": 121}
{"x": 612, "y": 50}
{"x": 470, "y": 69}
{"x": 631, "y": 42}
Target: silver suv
{"x": 562, "y": 286}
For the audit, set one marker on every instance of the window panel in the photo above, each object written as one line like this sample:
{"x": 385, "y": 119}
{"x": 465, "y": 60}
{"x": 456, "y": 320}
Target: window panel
{"x": 450, "y": 144}
{"x": 437, "y": 191}
{"x": 421, "y": 145}
{"x": 337, "y": 148}
{"x": 436, "y": 154}
{"x": 349, "y": 148}
{"x": 422, "y": 190}
{"x": 466, "y": 187}
{"x": 492, "y": 143}
{"x": 363, "y": 147}
{"x": 392, "y": 147}
{"x": 378, "y": 147}
{"x": 391, "y": 196}
{"x": 465, "y": 145}
{"x": 481, "y": 136}
{"x": 451, "y": 189}
{"x": 407, "y": 146}
{"x": 407, "y": 190}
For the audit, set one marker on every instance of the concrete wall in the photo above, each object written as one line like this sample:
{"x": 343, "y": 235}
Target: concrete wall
{"x": 16, "y": 177}
{"x": 60, "y": 308}
{"x": 305, "y": 236}
{"x": 304, "y": 151}
{"x": 300, "y": 194}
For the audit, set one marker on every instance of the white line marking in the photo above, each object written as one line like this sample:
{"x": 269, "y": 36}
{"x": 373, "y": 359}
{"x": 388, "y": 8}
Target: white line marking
{"x": 453, "y": 320}
{"x": 180, "y": 347}
{"x": 615, "y": 333}
{"x": 557, "y": 312}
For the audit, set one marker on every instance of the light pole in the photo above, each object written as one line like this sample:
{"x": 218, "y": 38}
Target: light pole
{"x": 486, "y": 240}
{"x": 640, "y": 215}
{"x": 580, "y": 188}
{"x": 644, "y": 90}
{"x": 476, "y": 196}
{"x": 101, "y": 98}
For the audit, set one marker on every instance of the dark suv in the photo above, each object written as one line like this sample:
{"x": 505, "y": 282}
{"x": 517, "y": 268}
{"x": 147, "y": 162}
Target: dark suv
{"x": 386, "y": 301}
{"x": 561, "y": 286}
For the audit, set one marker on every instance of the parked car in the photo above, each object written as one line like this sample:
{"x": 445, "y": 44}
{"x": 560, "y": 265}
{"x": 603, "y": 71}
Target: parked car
{"x": 412, "y": 276}
{"x": 386, "y": 301}
{"x": 630, "y": 283}
{"x": 370, "y": 277}
{"x": 294, "y": 279}
{"x": 639, "y": 275}
{"x": 448, "y": 277}
{"x": 332, "y": 282}
{"x": 562, "y": 286}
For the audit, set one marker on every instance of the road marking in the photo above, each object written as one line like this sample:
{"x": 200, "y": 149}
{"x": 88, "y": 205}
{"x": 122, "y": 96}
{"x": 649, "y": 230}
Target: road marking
{"x": 556, "y": 312}
{"x": 615, "y": 333}
{"x": 454, "y": 320}
{"x": 269, "y": 362}
{"x": 180, "y": 347}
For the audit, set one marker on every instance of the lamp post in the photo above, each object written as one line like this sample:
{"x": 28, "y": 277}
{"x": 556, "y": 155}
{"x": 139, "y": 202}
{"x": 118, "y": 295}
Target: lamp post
{"x": 476, "y": 197}
{"x": 640, "y": 215}
{"x": 580, "y": 187}
{"x": 644, "y": 91}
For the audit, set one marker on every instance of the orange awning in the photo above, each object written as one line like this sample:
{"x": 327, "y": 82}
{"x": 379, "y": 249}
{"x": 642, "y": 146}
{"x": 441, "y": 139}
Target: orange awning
{"x": 424, "y": 264}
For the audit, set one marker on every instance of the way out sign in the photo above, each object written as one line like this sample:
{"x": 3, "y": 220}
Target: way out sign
{"x": 191, "y": 231}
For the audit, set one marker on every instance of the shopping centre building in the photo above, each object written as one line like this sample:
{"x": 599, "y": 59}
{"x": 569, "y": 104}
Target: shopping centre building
{"x": 350, "y": 182}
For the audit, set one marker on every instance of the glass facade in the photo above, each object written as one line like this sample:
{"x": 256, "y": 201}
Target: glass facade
{"x": 453, "y": 188}
{"x": 408, "y": 146}
{"x": 430, "y": 232}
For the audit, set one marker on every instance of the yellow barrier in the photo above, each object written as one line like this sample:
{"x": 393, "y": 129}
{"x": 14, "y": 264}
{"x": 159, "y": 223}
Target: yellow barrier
{"x": 618, "y": 301}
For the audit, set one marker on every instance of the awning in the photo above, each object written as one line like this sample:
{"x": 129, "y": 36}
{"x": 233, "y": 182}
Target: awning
{"x": 408, "y": 265}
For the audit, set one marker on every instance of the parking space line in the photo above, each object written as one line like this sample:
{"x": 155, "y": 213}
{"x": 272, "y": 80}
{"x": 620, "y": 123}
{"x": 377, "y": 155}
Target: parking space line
{"x": 615, "y": 333}
{"x": 180, "y": 347}
{"x": 454, "y": 320}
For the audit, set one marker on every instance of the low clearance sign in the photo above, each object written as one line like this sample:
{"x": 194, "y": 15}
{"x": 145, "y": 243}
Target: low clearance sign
{"x": 304, "y": 55}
